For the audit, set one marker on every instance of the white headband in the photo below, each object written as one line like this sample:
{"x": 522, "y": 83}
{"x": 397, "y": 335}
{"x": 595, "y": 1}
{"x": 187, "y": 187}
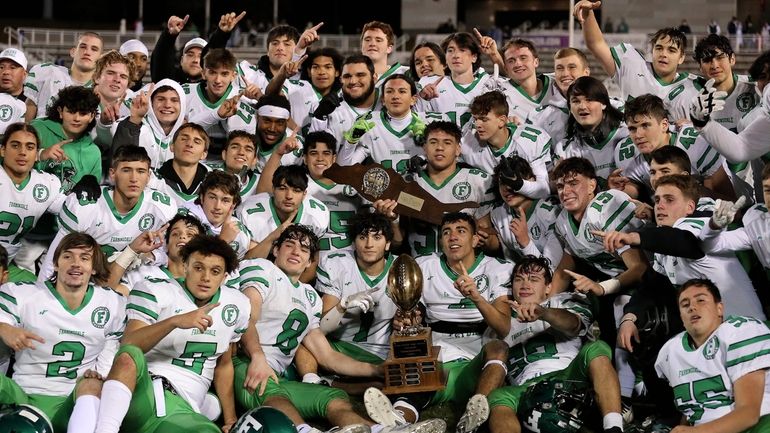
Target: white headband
{"x": 273, "y": 111}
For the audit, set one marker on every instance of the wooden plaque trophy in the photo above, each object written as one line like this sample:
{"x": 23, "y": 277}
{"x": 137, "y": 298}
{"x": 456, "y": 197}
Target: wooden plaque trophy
{"x": 412, "y": 365}
{"x": 373, "y": 182}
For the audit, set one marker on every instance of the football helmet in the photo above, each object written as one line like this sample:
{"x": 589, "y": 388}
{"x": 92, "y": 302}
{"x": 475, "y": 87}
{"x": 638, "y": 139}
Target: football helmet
{"x": 264, "y": 419}
{"x": 555, "y": 406}
{"x": 23, "y": 418}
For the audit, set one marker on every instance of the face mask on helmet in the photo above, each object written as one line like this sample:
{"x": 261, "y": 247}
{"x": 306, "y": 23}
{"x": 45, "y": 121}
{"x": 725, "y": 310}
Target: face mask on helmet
{"x": 555, "y": 406}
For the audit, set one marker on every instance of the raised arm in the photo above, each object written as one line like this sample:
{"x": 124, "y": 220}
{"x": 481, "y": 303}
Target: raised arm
{"x": 592, "y": 34}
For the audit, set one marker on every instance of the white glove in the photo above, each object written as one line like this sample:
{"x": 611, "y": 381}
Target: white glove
{"x": 709, "y": 100}
{"x": 494, "y": 82}
{"x": 361, "y": 300}
{"x": 725, "y": 211}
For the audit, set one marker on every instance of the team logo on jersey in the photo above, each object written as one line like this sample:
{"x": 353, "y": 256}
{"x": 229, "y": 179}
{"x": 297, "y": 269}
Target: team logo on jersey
{"x": 376, "y": 181}
{"x": 482, "y": 283}
{"x": 535, "y": 232}
{"x": 349, "y": 191}
{"x": 462, "y": 190}
{"x": 230, "y": 314}
{"x": 40, "y": 193}
{"x": 146, "y": 221}
{"x": 6, "y": 112}
{"x": 745, "y": 102}
{"x": 312, "y": 296}
{"x": 711, "y": 348}
{"x": 100, "y": 316}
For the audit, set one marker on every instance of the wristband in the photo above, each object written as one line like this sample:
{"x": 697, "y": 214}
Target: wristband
{"x": 126, "y": 257}
{"x": 397, "y": 220}
{"x": 610, "y": 286}
{"x": 627, "y": 319}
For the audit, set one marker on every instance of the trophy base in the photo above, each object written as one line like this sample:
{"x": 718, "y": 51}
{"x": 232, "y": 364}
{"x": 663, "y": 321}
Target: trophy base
{"x": 416, "y": 374}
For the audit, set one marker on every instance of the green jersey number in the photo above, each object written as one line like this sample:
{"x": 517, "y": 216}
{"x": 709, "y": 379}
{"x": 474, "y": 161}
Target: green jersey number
{"x": 294, "y": 325}
{"x": 601, "y": 200}
{"x": 464, "y": 118}
{"x": 697, "y": 396}
{"x": 10, "y": 223}
{"x": 531, "y": 133}
{"x": 400, "y": 165}
{"x": 366, "y": 324}
{"x": 535, "y": 349}
{"x": 687, "y": 137}
{"x": 338, "y": 226}
{"x": 195, "y": 355}
{"x": 430, "y": 233}
{"x": 75, "y": 350}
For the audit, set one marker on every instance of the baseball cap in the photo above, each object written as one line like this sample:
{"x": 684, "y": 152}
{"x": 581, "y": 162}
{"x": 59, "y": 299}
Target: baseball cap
{"x": 133, "y": 46}
{"x": 15, "y": 55}
{"x": 194, "y": 42}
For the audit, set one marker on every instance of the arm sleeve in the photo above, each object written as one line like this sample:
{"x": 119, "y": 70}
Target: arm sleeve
{"x": 724, "y": 242}
{"x": 218, "y": 39}
{"x": 751, "y": 143}
{"x": 539, "y": 188}
{"x": 671, "y": 242}
{"x": 127, "y": 132}
{"x": 164, "y": 61}
{"x": 350, "y": 154}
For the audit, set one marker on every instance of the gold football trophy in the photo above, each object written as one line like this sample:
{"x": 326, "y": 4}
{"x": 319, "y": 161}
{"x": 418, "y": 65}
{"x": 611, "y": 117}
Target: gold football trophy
{"x": 412, "y": 365}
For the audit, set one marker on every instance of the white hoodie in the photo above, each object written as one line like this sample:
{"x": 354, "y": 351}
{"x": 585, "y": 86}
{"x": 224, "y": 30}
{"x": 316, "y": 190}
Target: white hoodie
{"x": 151, "y": 136}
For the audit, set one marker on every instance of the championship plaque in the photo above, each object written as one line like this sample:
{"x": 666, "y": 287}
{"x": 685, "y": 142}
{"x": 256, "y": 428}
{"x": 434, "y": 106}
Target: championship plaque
{"x": 375, "y": 182}
{"x": 412, "y": 365}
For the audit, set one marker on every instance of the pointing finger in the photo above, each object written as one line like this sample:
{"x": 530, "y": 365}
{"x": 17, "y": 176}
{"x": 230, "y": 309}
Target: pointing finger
{"x": 599, "y": 233}
{"x": 184, "y": 21}
{"x": 317, "y": 26}
{"x": 208, "y": 307}
{"x": 462, "y": 268}
{"x": 574, "y": 275}
{"x": 477, "y": 33}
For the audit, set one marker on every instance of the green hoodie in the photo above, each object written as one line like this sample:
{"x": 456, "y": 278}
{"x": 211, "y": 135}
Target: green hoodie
{"x": 83, "y": 155}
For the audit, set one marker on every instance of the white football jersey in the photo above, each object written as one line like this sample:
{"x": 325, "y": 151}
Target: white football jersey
{"x": 541, "y": 216}
{"x": 702, "y": 378}
{"x": 343, "y": 203}
{"x": 704, "y": 159}
{"x": 635, "y": 76}
{"x": 259, "y": 215}
{"x": 242, "y": 240}
{"x": 248, "y": 185}
{"x": 145, "y": 272}
{"x": 288, "y": 313}
{"x": 339, "y": 121}
{"x": 251, "y": 74}
{"x": 187, "y": 357}
{"x": 741, "y": 100}
{"x": 525, "y": 141}
{"x": 601, "y": 155}
{"x": 756, "y": 222}
{"x": 44, "y": 81}
{"x": 454, "y": 100}
{"x": 102, "y": 221}
{"x": 24, "y": 204}
{"x": 552, "y": 119}
{"x": 466, "y": 184}
{"x": 443, "y": 302}
{"x": 304, "y": 99}
{"x": 723, "y": 269}
{"x": 204, "y": 112}
{"x": 537, "y": 349}
{"x": 12, "y": 111}
{"x": 386, "y": 143}
{"x": 292, "y": 158}
{"x": 396, "y": 68}
{"x": 609, "y": 210}
{"x": 340, "y": 276}
{"x": 85, "y": 338}
{"x": 520, "y": 104}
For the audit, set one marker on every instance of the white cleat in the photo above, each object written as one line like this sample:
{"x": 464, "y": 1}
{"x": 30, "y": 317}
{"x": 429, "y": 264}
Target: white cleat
{"x": 476, "y": 413}
{"x": 428, "y": 426}
{"x": 381, "y": 410}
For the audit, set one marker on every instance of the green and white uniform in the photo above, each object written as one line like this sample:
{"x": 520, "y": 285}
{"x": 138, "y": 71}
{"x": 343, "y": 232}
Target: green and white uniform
{"x": 339, "y": 121}
{"x": 259, "y": 215}
{"x": 705, "y": 160}
{"x": 204, "y": 112}
{"x": 248, "y": 180}
{"x": 396, "y": 68}
{"x": 43, "y": 84}
{"x": 552, "y": 119}
{"x": 609, "y": 210}
{"x": 12, "y": 111}
{"x": 537, "y": 349}
{"x": 454, "y": 99}
{"x": 528, "y": 142}
{"x": 466, "y": 184}
{"x": 521, "y": 105}
{"x": 304, "y": 99}
{"x": 24, "y": 204}
{"x": 343, "y": 203}
{"x": 292, "y": 158}
{"x": 242, "y": 240}
{"x": 187, "y": 357}
{"x": 723, "y": 269}
{"x": 702, "y": 378}
{"x": 541, "y": 216}
{"x": 601, "y": 155}
{"x": 340, "y": 276}
{"x": 76, "y": 340}
{"x": 110, "y": 229}
{"x": 443, "y": 302}
{"x": 389, "y": 142}
{"x": 636, "y": 77}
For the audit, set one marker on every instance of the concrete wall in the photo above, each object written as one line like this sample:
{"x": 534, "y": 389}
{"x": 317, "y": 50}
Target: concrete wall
{"x": 423, "y": 15}
{"x": 650, "y": 15}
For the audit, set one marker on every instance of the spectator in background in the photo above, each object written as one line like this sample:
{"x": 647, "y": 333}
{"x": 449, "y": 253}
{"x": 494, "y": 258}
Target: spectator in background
{"x": 623, "y": 26}
{"x": 685, "y": 27}
{"x": 732, "y": 26}
{"x": 713, "y": 28}
{"x": 609, "y": 27}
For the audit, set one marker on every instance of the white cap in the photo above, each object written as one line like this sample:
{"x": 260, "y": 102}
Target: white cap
{"x": 133, "y": 46}
{"x": 194, "y": 42}
{"x": 15, "y": 55}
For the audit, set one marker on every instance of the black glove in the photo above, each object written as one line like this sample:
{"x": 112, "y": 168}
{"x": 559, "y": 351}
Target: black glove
{"x": 416, "y": 165}
{"x": 510, "y": 174}
{"x": 87, "y": 188}
{"x": 327, "y": 105}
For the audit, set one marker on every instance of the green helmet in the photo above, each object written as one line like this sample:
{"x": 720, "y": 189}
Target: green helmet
{"x": 555, "y": 406}
{"x": 264, "y": 419}
{"x": 23, "y": 418}
{"x": 648, "y": 425}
